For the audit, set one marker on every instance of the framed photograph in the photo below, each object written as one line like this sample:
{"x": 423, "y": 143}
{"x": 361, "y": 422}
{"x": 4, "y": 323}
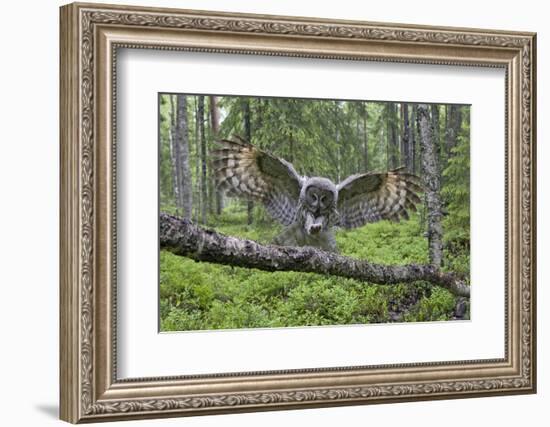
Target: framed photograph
{"x": 267, "y": 212}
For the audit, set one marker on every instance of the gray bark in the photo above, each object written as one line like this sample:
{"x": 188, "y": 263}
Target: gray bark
{"x": 405, "y": 139}
{"x": 185, "y": 187}
{"x": 215, "y": 120}
{"x": 365, "y": 138}
{"x": 204, "y": 184}
{"x": 175, "y": 157}
{"x": 198, "y": 187}
{"x": 393, "y": 144}
{"x": 183, "y": 238}
{"x": 454, "y": 122}
{"x": 436, "y": 130}
{"x": 432, "y": 183}
{"x": 248, "y": 136}
{"x": 337, "y": 140}
{"x": 413, "y": 141}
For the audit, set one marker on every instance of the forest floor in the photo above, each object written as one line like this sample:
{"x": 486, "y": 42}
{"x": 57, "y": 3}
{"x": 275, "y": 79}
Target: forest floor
{"x": 200, "y": 295}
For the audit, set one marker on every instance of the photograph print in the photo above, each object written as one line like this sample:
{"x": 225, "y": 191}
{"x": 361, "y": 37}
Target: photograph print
{"x": 286, "y": 212}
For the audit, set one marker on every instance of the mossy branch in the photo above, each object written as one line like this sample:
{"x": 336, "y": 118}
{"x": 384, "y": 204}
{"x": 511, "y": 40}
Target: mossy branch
{"x": 182, "y": 237}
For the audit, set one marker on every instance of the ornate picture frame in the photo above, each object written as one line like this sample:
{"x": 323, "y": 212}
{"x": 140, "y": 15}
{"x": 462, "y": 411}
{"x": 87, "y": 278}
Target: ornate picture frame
{"x": 90, "y": 37}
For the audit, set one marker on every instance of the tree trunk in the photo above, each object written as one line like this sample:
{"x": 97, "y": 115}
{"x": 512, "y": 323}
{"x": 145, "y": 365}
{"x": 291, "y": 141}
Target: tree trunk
{"x": 198, "y": 204}
{"x": 215, "y": 120}
{"x": 182, "y": 142}
{"x": 383, "y": 140}
{"x": 365, "y": 138}
{"x": 413, "y": 140}
{"x": 248, "y": 136}
{"x": 174, "y": 155}
{"x": 337, "y": 140}
{"x": 204, "y": 175}
{"x": 290, "y": 147}
{"x": 405, "y": 150}
{"x": 436, "y": 131}
{"x": 454, "y": 122}
{"x": 431, "y": 181}
{"x": 183, "y": 238}
{"x": 391, "y": 124}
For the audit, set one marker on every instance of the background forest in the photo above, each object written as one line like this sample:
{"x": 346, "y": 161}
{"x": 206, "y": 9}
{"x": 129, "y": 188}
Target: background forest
{"x": 321, "y": 138}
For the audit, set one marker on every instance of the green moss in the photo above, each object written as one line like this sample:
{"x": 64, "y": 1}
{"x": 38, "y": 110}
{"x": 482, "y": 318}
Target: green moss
{"x": 199, "y": 295}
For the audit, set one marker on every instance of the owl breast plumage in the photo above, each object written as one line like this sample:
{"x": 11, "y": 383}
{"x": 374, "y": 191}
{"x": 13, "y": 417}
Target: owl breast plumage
{"x": 311, "y": 207}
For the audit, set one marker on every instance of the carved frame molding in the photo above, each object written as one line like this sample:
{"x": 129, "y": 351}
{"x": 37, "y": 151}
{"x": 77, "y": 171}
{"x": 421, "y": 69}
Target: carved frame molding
{"x": 90, "y": 36}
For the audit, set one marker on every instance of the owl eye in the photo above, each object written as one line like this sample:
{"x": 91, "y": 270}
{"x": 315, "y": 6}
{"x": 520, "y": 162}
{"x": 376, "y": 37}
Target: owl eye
{"x": 312, "y": 195}
{"x": 326, "y": 199}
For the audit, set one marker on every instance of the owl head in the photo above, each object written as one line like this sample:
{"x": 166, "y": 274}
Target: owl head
{"x": 318, "y": 201}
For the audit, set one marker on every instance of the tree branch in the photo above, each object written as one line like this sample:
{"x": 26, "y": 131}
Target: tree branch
{"x": 183, "y": 238}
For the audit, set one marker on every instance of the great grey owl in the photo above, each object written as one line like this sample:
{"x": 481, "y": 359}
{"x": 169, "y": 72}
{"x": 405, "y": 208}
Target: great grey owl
{"x": 312, "y": 207}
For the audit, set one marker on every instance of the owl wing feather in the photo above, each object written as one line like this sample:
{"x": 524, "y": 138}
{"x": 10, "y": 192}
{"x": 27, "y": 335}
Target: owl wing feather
{"x": 243, "y": 170}
{"x": 370, "y": 197}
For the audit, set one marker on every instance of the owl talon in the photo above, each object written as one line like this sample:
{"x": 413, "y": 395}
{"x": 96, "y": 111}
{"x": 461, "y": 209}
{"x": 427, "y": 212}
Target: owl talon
{"x": 315, "y": 228}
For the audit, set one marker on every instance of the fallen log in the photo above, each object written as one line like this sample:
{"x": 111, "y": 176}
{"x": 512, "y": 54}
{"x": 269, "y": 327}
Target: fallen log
{"x": 182, "y": 237}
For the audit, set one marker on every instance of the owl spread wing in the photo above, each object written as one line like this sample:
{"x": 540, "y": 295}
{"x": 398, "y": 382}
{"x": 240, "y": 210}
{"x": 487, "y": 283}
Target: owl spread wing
{"x": 371, "y": 197}
{"x": 246, "y": 171}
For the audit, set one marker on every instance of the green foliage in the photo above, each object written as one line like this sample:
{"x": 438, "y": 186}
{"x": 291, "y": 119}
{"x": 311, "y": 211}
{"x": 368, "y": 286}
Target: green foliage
{"x": 199, "y": 295}
{"x": 385, "y": 242}
{"x": 456, "y": 196}
{"x": 438, "y": 306}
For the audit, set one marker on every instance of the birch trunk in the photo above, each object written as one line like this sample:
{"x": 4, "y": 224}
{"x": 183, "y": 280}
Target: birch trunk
{"x": 185, "y": 185}
{"x": 215, "y": 120}
{"x": 204, "y": 184}
{"x": 431, "y": 181}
